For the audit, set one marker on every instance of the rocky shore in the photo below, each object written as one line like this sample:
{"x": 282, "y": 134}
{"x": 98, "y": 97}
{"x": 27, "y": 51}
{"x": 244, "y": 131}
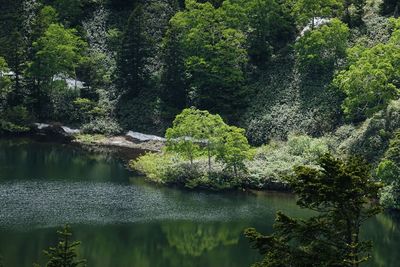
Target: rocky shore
{"x": 128, "y": 146}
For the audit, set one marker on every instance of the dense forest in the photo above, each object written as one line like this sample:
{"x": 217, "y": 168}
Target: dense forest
{"x": 323, "y": 71}
{"x": 301, "y": 77}
{"x": 248, "y": 94}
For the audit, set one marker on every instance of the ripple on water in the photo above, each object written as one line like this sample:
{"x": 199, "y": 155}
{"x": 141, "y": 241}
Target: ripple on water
{"x": 27, "y": 204}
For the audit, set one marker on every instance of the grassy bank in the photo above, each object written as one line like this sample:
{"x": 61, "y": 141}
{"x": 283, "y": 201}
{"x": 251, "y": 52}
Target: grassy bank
{"x": 267, "y": 169}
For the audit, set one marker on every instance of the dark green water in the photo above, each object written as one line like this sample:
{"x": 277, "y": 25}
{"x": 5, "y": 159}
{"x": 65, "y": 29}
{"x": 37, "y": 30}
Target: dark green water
{"x": 123, "y": 221}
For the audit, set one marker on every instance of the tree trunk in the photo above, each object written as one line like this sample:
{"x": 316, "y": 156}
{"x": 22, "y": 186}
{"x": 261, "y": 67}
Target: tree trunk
{"x": 209, "y": 156}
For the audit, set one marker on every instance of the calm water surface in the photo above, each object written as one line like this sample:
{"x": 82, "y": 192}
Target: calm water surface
{"x": 123, "y": 221}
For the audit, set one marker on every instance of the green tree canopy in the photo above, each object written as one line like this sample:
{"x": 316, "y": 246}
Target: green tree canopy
{"x": 321, "y": 49}
{"x": 47, "y": 16}
{"x": 197, "y": 132}
{"x": 58, "y": 52}
{"x": 214, "y": 55}
{"x": 371, "y": 80}
{"x": 306, "y": 11}
{"x": 342, "y": 194}
{"x": 234, "y": 149}
{"x": 272, "y": 28}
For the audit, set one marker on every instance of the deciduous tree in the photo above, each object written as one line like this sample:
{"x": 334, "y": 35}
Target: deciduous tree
{"x": 195, "y": 132}
{"x": 306, "y": 11}
{"x": 58, "y": 52}
{"x": 214, "y": 55}
{"x": 321, "y": 49}
{"x": 371, "y": 80}
{"x": 234, "y": 149}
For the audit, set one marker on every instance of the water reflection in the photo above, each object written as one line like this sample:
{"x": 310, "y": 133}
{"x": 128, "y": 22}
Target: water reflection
{"x": 27, "y": 159}
{"x": 385, "y": 233}
{"x": 196, "y": 239}
{"x": 123, "y": 221}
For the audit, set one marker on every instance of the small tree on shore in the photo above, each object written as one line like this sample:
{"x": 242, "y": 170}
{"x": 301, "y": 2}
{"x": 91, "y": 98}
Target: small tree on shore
{"x": 234, "y": 149}
{"x": 183, "y": 136}
{"x": 343, "y": 194}
{"x": 197, "y": 132}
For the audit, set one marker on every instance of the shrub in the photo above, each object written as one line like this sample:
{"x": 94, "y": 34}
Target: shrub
{"x": 370, "y": 139}
{"x": 390, "y": 197}
{"x": 170, "y": 168}
{"x": 105, "y": 126}
{"x": 15, "y": 119}
{"x": 154, "y": 166}
{"x": 388, "y": 171}
{"x": 167, "y": 168}
{"x": 275, "y": 161}
{"x": 286, "y": 102}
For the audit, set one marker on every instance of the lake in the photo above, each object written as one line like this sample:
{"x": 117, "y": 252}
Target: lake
{"x": 124, "y": 221}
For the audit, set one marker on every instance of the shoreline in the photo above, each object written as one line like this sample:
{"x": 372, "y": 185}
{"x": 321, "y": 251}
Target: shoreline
{"x": 131, "y": 141}
{"x": 128, "y": 147}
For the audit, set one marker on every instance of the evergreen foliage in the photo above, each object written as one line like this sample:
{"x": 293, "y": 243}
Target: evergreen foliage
{"x": 390, "y": 7}
{"x": 64, "y": 253}
{"x": 354, "y": 12}
{"x": 272, "y": 28}
{"x": 134, "y": 53}
{"x": 175, "y": 90}
{"x": 342, "y": 193}
{"x": 388, "y": 171}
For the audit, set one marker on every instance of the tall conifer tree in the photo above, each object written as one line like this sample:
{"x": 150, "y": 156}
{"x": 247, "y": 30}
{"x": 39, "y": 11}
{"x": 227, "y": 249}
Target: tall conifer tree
{"x": 134, "y": 53}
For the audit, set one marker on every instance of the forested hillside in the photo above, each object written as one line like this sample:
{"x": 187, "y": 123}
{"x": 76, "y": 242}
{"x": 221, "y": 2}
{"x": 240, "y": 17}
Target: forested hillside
{"x": 324, "y": 69}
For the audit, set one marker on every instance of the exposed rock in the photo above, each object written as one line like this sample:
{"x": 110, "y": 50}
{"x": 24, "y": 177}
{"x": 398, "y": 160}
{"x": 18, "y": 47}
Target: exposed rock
{"x": 144, "y": 137}
{"x": 52, "y": 132}
{"x": 41, "y": 126}
{"x": 131, "y": 141}
{"x": 70, "y": 130}
{"x": 317, "y": 22}
{"x": 57, "y": 128}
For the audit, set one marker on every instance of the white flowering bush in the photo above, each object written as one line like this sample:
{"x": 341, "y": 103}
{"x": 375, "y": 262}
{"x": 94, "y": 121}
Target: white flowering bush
{"x": 275, "y": 161}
